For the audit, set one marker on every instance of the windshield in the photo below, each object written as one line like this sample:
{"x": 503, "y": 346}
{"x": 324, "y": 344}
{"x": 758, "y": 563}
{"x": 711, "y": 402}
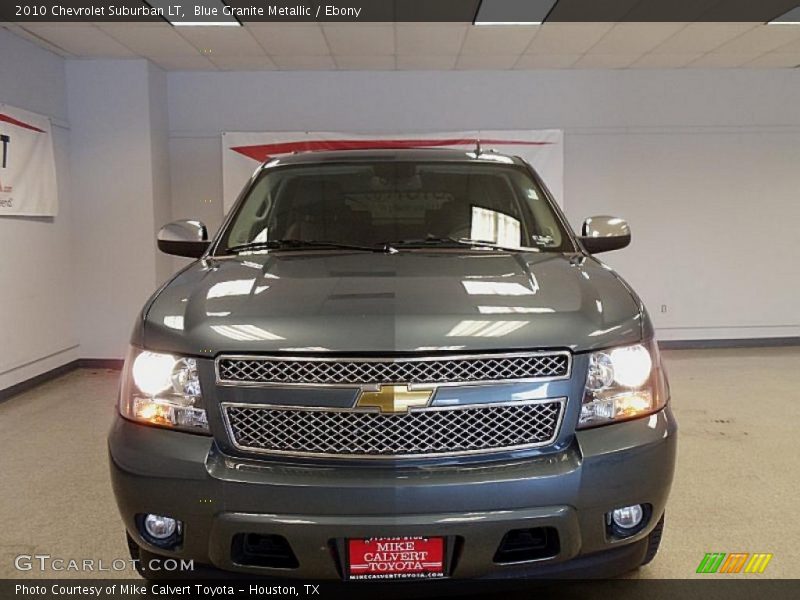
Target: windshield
{"x": 399, "y": 204}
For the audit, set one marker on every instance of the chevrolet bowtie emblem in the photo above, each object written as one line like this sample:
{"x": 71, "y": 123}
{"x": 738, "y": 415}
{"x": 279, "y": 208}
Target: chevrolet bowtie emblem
{"x": 394, "y": 398}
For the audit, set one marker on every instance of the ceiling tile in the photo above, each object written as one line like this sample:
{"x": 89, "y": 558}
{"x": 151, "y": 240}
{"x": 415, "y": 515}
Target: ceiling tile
{"x": 513, "y": 11}
{"x": 665, "y": 61}
{"x": 633, "y": 38}
{"x": 304, "y": 63}
{"x": 281, "y": 39}
{"x": 430, "y": 39}
{"x": 718, "y": 60}
{"x": 567, "y": 38}
{"x": 185, "y": 63}
{"x": 360, "y": 39}
{"x": 791, "y": 47}
{"x": 148, "y": 40}
{"x": 498, "y": 40}
{"x": 427, "y": 46}
{"x": 775, "y": 60}
{"x": 546, "y": 61}
{"x": 764, "y": 38}
{"x": 82, "y": 39}
{"x": 606, "y": 61}
{"x": 359, "y": 63}
{"x": 155, "y": 23}
{"x": 702, "y": 37}
{"x": 426, "y": 63}
{"x": 243, "y": 63}
{"x": 486, "y": 61}
{"x": 222, "y": 41}
{"x": 31, "y": 37}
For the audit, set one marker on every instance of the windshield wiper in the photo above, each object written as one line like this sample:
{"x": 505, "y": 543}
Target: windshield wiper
{"x": 289, "y": 244}
{"x": 457, "y": 242}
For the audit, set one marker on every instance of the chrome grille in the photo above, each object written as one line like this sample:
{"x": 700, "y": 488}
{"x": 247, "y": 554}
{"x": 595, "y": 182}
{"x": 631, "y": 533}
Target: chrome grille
{"x": 242, "y": 370}
{"x": 432, "y": 431}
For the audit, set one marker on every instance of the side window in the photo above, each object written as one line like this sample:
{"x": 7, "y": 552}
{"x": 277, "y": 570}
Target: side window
{"x": 546, "y": 230}
{"x": 251, "y": 224}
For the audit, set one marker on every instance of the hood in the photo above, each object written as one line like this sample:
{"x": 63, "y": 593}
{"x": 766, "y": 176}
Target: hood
{"x": 415, "y": 301}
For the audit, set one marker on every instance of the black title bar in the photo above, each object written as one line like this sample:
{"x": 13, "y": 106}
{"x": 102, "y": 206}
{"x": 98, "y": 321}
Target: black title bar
{"x": 255, "y": 589}
{"x": 395, "y": 10}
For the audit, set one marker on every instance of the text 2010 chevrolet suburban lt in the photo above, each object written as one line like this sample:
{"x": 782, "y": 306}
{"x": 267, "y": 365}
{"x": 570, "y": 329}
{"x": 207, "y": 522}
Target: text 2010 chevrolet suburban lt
{"x": 395, "y": 364}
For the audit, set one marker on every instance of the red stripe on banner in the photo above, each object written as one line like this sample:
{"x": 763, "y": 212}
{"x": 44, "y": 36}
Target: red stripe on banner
{"x": 14, "y": 121}
{"x": 262, "y": 152}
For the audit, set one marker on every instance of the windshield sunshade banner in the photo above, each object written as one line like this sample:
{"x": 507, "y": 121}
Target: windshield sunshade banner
{"x": 242, "y": 152}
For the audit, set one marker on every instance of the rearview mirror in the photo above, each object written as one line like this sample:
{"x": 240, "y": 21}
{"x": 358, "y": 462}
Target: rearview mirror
{"x": 602, "y": 234}
{"x": 183, "y": 238}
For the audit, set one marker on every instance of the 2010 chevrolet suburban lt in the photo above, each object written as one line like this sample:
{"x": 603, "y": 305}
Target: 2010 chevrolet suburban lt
{"x": 393, "y": 364}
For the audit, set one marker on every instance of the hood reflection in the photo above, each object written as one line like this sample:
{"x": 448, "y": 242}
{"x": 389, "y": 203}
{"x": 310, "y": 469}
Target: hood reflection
{"x": 408, "y": 302}
{"x": 485, "y": 328}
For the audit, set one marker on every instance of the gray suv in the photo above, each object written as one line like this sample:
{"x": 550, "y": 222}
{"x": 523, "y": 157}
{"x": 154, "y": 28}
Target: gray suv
{"x": 394, "y": 364}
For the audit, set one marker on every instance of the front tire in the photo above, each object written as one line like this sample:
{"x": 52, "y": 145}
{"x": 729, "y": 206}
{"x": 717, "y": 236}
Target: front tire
{"x": 142, "y": 560}
{"x": 653, "y": 542}
{"x": 136, "y": 555}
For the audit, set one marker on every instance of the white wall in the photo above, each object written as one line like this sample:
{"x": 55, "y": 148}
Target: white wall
{"x": 159, "y": 142}
{"x": 73, "y": 285}
{"x": 37, "y": 328}
{"x": 119, "y": 175}
{"x": 702, "y": 163}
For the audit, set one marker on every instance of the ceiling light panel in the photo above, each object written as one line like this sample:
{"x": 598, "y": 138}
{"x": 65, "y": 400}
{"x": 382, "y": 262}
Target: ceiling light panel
{"x": 513, "y": 12}
{"x": 790, "y": 18}
{"x": 199, "y": 13}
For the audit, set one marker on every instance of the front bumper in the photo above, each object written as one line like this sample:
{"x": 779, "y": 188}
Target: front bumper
{"x": 316, "y": 507}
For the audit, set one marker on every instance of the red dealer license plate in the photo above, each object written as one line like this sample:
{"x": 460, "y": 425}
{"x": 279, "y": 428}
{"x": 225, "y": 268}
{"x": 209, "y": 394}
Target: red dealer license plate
{"x": 396, "y": 558}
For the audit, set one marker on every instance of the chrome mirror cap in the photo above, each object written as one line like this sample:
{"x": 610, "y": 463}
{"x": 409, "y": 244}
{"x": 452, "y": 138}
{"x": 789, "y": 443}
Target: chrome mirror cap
{"x": 604, "y": 233}
{"x": 186, "y": 237}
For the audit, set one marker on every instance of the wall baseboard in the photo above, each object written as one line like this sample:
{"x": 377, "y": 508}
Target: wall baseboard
{"x": 116, "y": 363}
{"x": 26, "y": 385}
{"x": 100, "y": 363}
{"x": 774, "y": 342}
{"x": 81, "y": 363}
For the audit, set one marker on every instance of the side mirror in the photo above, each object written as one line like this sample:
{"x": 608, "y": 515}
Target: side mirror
{"x": 601, "y": 234}
{"x": 183, "y": 238}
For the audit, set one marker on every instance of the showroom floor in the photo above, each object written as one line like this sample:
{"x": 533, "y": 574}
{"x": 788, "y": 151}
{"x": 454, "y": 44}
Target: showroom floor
{"x": 735, "y": 487}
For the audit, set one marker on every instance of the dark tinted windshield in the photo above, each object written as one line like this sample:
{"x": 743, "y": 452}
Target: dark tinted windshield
{"x": 410, "y": 203}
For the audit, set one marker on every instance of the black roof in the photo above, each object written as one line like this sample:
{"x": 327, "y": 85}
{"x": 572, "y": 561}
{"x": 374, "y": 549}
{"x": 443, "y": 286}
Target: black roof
{"x": 404, "y": 154}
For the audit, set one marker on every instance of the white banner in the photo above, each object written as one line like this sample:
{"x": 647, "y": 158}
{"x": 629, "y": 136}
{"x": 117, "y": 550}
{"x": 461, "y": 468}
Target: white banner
{"x": 243, "y": 152}
{"x": 27, "y": 165}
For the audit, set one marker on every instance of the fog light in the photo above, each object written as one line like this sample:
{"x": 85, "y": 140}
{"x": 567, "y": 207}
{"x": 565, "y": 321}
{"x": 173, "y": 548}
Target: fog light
{"x": 160, "y": 527}
{"x": 628, "y": 517}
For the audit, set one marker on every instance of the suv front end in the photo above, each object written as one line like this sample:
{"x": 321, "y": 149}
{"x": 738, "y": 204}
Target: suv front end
{"x": 417, "y": 411}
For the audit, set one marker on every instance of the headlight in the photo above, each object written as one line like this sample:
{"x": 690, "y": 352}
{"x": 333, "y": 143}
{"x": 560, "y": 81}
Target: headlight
{"x": 623, "y": 383}
{"x": 162, "y": 389}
